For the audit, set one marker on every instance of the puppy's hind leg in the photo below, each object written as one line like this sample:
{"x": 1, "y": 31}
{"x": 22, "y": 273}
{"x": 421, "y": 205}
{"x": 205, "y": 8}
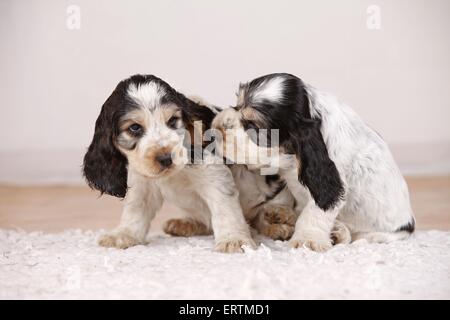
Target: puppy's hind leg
{"x": 403, "y": 232}
{"x": 381, "y": 237}
{"x": 340, "y": 233}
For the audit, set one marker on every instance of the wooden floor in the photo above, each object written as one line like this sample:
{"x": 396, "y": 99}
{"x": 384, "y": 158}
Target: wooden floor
{"x": 57, "y": 208}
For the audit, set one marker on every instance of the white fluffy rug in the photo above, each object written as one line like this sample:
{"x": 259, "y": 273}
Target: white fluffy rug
{"x": 70, "y": 265}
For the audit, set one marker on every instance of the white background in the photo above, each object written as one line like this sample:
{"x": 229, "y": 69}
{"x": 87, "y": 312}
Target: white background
{"x": 53, "y": 80}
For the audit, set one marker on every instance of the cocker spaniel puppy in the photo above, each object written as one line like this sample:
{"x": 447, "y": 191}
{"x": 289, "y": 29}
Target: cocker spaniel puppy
{"x": 141, "y": 151}
{"x": 267, "y": 202}
{"x": 335, "y": 165}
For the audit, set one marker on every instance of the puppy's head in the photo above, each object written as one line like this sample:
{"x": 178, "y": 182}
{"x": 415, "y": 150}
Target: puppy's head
{"x": 276, "y": 101}
{"x": 281, "y": 101}
{"x": 143, "y": 126}
{"x": 266, "y": 105}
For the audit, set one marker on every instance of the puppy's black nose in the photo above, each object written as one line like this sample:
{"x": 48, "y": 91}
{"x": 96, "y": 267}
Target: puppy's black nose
{"x": 165, "y": 159}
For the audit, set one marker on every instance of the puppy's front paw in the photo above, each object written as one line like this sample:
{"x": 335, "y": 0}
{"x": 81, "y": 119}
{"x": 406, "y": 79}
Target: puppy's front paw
{"x": 226, "y": 119}
{"x": 119, "y": 240}
{"x": 319, "y": 245}
{"x": 234, "y": 245}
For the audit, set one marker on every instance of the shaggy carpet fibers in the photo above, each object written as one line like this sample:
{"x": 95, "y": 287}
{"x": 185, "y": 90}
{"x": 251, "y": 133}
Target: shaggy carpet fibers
{"x": 70, "y": 265}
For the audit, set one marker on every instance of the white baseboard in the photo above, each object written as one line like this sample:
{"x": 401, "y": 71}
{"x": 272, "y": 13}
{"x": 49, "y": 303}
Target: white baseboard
{"x": 64, "y": 166}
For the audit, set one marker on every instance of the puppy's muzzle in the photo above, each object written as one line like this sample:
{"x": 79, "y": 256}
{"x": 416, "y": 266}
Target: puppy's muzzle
{"x": 165, "y": 160}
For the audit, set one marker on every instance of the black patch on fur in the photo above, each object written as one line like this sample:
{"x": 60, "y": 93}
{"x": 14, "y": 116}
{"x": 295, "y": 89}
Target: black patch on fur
{"x": 192, "y": 112}
{"x": 409, "y": 227}
{"x": 318, "y": 171}
{"x": 300, "y": 133}
{"x": 279, "y": 187}
{"x": 104, "y": 166}
{"x": 276, "y": 185}
{"x": 272, "y": 178}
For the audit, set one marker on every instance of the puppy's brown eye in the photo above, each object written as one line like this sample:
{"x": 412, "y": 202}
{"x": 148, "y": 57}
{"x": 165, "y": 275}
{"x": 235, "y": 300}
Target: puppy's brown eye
{"x": 135, "y": 129}
{"x": 172, "y": 123}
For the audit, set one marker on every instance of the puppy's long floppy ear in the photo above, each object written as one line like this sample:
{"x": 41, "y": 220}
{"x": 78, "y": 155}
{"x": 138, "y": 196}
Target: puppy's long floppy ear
{"x": 104, "y": 167}
{"x": 318, "y": 172}
{"x": 195, "y": 110}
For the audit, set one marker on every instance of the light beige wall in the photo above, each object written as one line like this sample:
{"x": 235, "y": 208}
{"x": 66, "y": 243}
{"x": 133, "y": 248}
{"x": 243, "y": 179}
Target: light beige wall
{"x": 53, "y": 80}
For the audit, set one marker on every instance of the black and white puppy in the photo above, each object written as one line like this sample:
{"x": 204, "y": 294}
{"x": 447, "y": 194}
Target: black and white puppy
{"x": 267, "y": 203}
{"x": 140, "y": 151}
{"x": 335, "y": 165}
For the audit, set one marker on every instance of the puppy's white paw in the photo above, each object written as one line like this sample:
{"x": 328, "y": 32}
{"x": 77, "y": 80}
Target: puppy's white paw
{"x": 319, "y": 245}
{"x": 340, "y": 233}
{"x": 227, "y": 119}
{"x": 119, "y": 240}
{"x": 234, "y": 245}
{"x": 230, "y": 120}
